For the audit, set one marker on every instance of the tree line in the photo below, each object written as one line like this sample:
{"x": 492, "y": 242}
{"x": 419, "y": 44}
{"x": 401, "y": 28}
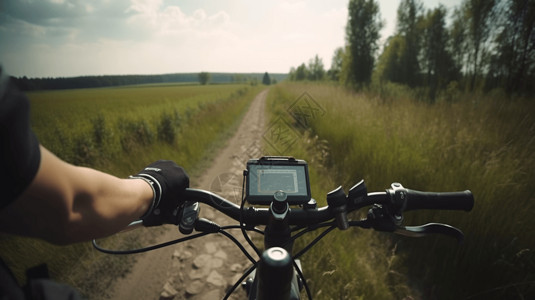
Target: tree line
{"x": 480, "y": 45}
{"x": 51, "y": 83}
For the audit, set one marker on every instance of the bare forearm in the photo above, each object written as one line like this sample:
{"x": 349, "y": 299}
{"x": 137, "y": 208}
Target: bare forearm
{"x": 104, "y": 204}
{"x": 66, "y": 204}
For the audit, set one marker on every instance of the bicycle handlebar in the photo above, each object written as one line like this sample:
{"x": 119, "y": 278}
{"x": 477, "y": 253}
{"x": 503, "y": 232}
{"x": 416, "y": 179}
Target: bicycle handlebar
{"x": 257, "y": 216}
{"x": 400, "y": 198}
{"x": 451, "y": 200}
{"x": 407, "y": 199}
{"x": 385, "y": 214}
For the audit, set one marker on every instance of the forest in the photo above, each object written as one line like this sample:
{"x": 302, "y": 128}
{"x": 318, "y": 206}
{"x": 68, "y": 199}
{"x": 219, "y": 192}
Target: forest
{"x": 479, "y": 46}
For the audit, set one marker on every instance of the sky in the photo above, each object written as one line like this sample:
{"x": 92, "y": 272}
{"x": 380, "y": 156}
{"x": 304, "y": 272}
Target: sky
{"x": 63, "y": 38}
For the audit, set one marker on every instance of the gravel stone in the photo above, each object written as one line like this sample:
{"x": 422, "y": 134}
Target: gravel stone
{"x": 216, "y": 279}
{"x": 195, "y": 287}
{"x": 168, "y": 291}
{"x": 201, "y": 261}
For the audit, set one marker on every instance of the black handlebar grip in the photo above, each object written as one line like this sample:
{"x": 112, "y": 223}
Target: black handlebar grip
{"x": 448, "y": 201}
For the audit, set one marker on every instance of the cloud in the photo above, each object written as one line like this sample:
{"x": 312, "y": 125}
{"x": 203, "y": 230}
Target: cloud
{"x": 47, "y": 13}
{"x": 68, "y": 18}
{"x": 171, "y": 20}
{"x": 104, "y": 19}
{"x": 121, "y": 36}
{"x": 75, "y": 37}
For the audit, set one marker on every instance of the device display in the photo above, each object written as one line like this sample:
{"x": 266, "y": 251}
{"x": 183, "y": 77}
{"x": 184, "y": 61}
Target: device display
{"x": 267, "y": 175}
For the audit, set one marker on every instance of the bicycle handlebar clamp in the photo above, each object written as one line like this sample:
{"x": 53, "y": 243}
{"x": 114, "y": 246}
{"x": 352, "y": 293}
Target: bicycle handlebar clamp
{"x": 337, "y": 200}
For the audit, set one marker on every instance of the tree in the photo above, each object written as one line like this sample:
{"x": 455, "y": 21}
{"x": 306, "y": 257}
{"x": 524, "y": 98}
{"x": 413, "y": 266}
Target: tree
{"x": 458, "y": 41}
{"x": 362, "y": 35}
{"x": 291, "y": 74}
{"x": 389, "y": 62}
{"x": 436, "y": 58}
{"x": 301, "y": 73}
{"x": 316, "y": 71}
{"x": 513, "y": 63}
{"x": 204, "y": 78}
{"x": 409, "y": 16}
{"x": 336, "y": 64}
{"x": 478, "y": 14}
{"x": 266, "y": 80}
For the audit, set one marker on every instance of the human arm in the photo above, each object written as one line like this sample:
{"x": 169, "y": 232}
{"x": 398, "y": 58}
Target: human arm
{"x": 66, "y": 203}
{"x": 45, "y": 197}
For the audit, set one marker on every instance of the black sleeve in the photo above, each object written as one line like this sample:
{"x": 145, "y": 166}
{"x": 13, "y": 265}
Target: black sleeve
{"x": 19, "y": 148}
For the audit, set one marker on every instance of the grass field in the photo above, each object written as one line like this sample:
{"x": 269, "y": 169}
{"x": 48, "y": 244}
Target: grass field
{"x": 90, "y": 126}
{"x": 121, "y": 130}
{"x": 482, "y": 143}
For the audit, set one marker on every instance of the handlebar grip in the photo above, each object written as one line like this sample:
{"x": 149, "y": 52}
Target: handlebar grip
{"x": 447, "y": 200}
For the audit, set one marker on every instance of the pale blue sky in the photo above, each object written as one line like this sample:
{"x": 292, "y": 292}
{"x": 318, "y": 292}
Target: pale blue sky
{"x": 75, "y": 37}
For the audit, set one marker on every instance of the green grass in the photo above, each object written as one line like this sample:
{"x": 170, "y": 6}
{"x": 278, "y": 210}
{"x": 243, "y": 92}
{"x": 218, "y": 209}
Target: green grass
{"x": 121, "y": 130}
{"x": 354, "y": 264}
{"x": 485, "y": 144}
{"x": 65, "y": 121}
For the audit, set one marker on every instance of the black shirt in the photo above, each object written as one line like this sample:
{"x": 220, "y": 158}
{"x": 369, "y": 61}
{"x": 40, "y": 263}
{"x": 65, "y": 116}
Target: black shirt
{"x": 19, "y": 163}
{"x": 19, "y": 148}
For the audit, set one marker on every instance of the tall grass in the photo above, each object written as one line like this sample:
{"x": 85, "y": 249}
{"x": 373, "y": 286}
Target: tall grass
{"x": 484, "y": 144}
{"x": 355, "y": 264}
{"x": 121, "y": 130}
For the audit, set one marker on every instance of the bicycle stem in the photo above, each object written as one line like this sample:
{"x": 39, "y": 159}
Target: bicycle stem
{"x": 277, "y": 232}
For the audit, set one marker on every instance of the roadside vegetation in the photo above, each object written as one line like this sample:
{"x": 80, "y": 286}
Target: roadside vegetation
{"x": 121, "y": 130}
{"x": 446, "y": 103}
{"x": 481, "y": 143}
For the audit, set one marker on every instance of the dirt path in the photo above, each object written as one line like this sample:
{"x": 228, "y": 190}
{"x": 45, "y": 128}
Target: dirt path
{"x": 203, "y": 268}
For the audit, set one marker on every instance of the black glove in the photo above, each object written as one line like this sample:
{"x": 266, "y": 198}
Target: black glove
{"x": 168, "y": 182}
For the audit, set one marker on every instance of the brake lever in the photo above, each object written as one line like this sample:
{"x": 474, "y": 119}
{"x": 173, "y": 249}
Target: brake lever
{"x": 190, "y": 214}
{"x": 430, "y": 228}
{"x": 381, "y": 219}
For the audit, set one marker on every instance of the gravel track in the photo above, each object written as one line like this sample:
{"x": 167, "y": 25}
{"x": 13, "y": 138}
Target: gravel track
{"x": 206, "y": 267}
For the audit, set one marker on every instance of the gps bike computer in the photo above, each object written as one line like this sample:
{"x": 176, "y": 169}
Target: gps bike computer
{"x": 271, "y": 174}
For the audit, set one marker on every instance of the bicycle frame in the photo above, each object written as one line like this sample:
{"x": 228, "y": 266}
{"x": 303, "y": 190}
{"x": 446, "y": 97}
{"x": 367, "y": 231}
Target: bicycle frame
{"x": 277, "y": 278}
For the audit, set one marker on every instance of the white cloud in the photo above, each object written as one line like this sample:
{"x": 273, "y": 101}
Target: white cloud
{"x": 23, "y": 28}
{"x": 89, "y": 8}
{"x": 153, "y": 36}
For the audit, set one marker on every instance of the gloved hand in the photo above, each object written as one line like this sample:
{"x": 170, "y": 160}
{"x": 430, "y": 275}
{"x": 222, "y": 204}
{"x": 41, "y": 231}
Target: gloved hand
{"x": 168, "y": 181}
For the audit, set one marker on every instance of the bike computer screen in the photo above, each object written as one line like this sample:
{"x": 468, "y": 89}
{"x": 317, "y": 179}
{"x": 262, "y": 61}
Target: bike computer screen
{"x": 268, "y": 175}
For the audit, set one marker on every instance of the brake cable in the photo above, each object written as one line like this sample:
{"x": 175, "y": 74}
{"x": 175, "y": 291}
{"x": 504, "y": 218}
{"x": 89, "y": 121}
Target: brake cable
{"x": 148, "y": 248}
{"x": 303, "y": 280}
{"x": 314, "y": 241}
{"x": 221, "y": 230}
